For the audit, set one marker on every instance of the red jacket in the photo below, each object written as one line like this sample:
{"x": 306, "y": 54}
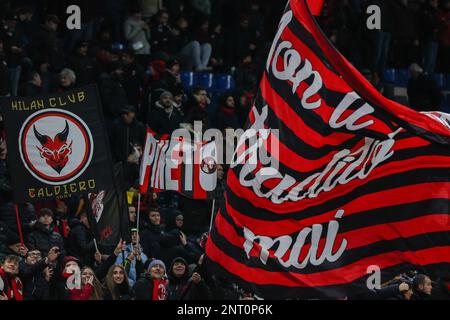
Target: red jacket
{"x": 82, "y": 294}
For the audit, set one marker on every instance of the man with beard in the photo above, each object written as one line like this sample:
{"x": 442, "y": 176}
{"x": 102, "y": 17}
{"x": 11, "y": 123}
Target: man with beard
{"x": 165, "y": 116}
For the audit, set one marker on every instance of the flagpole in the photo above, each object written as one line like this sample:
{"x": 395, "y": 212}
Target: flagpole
{"x": 138, "y": 216}
{"x": 212, "y": 214}
{"x": 19, "y": 227}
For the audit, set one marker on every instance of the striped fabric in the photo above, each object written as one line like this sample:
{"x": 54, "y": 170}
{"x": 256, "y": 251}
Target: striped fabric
{"x": 171, "y": 164}
{"x": 362, "y": 182}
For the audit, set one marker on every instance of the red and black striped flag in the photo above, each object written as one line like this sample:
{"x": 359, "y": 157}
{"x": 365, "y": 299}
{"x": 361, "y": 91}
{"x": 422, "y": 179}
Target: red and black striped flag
{"x": 355, "y": 182}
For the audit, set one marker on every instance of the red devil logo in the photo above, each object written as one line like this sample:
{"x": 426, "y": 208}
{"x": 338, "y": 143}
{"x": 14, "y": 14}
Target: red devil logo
{"x": 55, "y": 152}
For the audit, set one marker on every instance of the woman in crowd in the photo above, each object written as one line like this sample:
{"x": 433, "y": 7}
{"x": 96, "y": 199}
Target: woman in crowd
{"x": 116, "y": 285}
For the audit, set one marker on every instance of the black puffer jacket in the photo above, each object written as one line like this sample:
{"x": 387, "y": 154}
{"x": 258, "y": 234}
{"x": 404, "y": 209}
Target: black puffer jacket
{"x": 112, "y": 94}
{"x": 80, "y": 242}
{"x": 43, "y": 239}
{"x": 35, "y": 287}
{"x": 151, "y": 238}
{"x": 163, "y": 122}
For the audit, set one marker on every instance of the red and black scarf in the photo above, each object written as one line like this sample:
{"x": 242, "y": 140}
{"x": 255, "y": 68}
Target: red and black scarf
{"x": 11, "y": 286}
{"x": 159, "y": 290}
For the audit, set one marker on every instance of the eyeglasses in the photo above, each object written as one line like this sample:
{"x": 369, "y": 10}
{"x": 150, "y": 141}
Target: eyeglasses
{"x": 35, "y": 254}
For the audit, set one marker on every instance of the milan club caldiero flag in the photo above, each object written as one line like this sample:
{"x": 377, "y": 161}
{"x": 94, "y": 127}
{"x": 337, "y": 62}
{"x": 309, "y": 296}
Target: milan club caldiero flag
{"x": 56, "y": 144}
{"x": 360, "y": 183}
{"x": 176, "y": 164}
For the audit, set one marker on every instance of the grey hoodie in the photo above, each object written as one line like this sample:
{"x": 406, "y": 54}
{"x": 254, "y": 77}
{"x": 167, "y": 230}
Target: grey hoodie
{"x": 134, "y": 33}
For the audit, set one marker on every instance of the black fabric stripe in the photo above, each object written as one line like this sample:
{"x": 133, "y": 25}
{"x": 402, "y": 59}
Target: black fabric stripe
{"x": 379, "y": 216}
{"x": 332, "y": 99}
{"x": 350, "y": 256}
{"x": 415, "y": 243}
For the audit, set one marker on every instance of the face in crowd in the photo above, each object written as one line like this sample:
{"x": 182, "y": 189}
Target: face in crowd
{"x": 157, "y": 272}
{"x": 11, "y": 266}
{"x": 155, "y": 218}
{"x": 132, "y": 214}
{"x": 178, "y": 269}
{"x": 46, "y": 219}
{"x": 179, "y": 220}
{"x": 86, "y": 274}
{"x": 118, "y": 275}
{"x": 33, "y": 257}
{"x": 425, "y": 287}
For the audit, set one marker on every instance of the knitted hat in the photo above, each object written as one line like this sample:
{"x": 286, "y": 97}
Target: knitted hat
{"x": 156, "y": 262}
{"x": 166, "y": 94}
{"x": 68, "y": 259}
{"x": 180, "y": 259}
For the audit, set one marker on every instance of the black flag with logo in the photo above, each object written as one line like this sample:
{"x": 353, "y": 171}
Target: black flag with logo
{"x": 108, "y": 213}
{"x": 57, "y": 145}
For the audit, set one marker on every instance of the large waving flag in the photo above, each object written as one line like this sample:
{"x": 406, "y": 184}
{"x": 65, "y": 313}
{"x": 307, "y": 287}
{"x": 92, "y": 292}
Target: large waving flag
{"x": 360, "y": 183}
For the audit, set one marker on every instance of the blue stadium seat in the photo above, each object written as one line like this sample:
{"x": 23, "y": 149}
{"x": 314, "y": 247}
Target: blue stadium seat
{"x": 187, "y": 79}
{"x": 440, "y": 80}
{"x": 402, "y": 77}
{"x": 389, "y": 75}
{"x": 224, "y": 82}
{"x": 204, "y": 79}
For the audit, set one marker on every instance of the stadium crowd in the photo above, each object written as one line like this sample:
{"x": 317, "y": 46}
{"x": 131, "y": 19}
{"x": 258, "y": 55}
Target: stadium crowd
{"x": 136, "y": 52}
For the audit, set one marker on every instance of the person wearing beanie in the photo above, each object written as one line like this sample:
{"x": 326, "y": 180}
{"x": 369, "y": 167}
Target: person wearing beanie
{"x": 75, "y": 282}
{"x": 165, "y": 116}
{"x": 153, "y": 284}
{"x": 178, "y": 279}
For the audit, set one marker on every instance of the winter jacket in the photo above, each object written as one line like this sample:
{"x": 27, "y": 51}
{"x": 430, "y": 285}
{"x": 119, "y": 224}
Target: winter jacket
{"x": 26, "y": 215}
{"x": 147, "y": 288}
{"x": 182, "y": 288}
{"x": 151, "y": 237}
{"x": 163, "y": 122}
{"x": 35, "y": 287}
{"x": 43, "y": 239}
{"x": 83, "y": 66}
{"x": 80, "y": 242}
{"x": 112, "y": 94}
{"x": 123, "y": 136}
{"x": 29, "y": 89}
{"x": 124, "y": 292}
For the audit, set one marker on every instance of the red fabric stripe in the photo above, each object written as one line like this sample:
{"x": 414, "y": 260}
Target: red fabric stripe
{"x": 286, "y": 115}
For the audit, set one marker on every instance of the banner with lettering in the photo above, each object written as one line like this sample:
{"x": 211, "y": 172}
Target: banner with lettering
{"x": 176, "y": 164}
{"x": 354, "y": 186}
{"x": 57, "y": 145}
